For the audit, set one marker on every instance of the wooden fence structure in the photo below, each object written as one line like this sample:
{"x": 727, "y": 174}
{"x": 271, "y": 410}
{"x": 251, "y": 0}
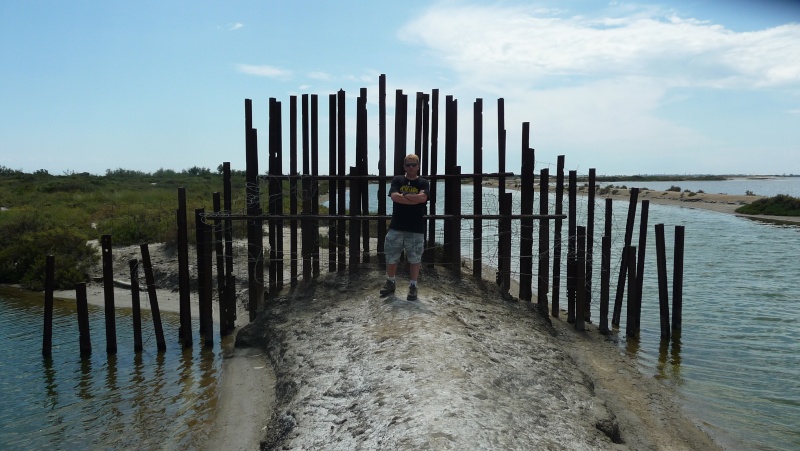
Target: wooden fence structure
{"x": 349, "y": 224}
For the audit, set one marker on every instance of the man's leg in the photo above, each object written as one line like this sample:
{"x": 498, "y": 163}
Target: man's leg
{"x": 413, "y": 269}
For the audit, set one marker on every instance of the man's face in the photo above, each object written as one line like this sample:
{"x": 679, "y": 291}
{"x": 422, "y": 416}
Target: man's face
{"x": 411, "y": 167}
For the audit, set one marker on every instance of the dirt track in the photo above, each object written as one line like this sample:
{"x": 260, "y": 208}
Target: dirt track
{"x": 459, "y": 369}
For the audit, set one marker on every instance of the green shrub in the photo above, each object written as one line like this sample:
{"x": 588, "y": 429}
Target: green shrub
{"x": 29, "y": 238}
{"x": 677, "y": 189}
{"x": 780, "y": 205}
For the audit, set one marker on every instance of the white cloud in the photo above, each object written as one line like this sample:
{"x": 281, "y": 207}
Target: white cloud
{"x": 236, "y": 26}
{"x": 263, "y": 71}
{"x": 504, "y": 44}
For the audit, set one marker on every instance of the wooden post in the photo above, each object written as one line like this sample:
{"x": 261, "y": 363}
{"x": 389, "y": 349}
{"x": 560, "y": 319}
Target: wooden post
{"x": 554, "y": 307}
{"x": 677, "y": 281}
{"x": 362, "y": 165}
{"x": 153, "y": 295}
{"x": 572, "y": 230}
{"x": 526, "y": 224}
{"x": 220, "y": 255}
{"x": 200, "y": 246}
{"x": 341, "y": 160}
{"x": 456, "y": 196}
{"x": 433, "y": 171}
{"x": 640, "y": 261}
{"x": 135, "y": 306}
{"x": 477, "y": 203}
{"x": 230, "y": 289}
{"x": 207, "y": 286}
{"x": 314, "y": 238}
{"x": 605, "y": 277}
{"x": 49, "y": 286}
{"x": 630, "y": 322}
{"x": 544, "y": 242}
{"x": 332, "y": 183}
{"x": 108, "y": 291}
{"x": 185, "y": 331}
{"x": 663, "y": 289}
{"x": 293, "y": 255}
{"x": 355, "y": 224}
{"x": 623, "y": 267}
{"x": 382, "y": 168}
{"x": 504, "y": 252}
{"x": 580, "y": 277}
{"x": 82, "y": 304}
{"x": 590, "y": 244}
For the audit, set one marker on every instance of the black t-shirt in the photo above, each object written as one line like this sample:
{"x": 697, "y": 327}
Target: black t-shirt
{"x": 408, "y": 218}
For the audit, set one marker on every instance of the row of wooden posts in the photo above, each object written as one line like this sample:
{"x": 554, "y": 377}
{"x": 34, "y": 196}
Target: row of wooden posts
{"x": 226, "y": 305}
{"x": 353, "y": 219}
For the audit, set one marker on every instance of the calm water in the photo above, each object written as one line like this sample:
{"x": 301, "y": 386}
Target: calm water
{"x": 147, "y": 401}
{"x": 736, "y": 186}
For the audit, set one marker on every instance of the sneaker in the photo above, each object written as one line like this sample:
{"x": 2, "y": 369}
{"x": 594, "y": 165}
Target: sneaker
{"x": 388, "y": 288}
{"x": 412, "y": 293}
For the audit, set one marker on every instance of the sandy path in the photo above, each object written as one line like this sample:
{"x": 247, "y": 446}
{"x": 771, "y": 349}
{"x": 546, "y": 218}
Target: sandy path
{"x": 459, "y": 369}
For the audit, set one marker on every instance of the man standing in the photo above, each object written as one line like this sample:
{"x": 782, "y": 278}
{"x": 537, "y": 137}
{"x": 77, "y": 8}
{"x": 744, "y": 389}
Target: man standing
{"x": 409, "y": 193}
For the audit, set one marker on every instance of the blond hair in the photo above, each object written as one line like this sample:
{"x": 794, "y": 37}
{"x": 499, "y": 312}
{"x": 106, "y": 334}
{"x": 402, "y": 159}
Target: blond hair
{"x": 411, "y": 158}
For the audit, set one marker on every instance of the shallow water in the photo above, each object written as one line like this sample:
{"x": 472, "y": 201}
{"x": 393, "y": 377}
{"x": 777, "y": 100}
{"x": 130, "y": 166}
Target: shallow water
{"x": 143, "y": 401}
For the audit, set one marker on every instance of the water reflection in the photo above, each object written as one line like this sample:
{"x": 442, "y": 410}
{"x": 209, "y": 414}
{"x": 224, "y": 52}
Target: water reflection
{"x": 158, "y": 400}
{"x": 669, "y": 361}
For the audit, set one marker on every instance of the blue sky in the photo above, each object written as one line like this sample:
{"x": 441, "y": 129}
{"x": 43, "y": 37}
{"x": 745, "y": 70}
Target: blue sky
{"x": 672, "y": 87}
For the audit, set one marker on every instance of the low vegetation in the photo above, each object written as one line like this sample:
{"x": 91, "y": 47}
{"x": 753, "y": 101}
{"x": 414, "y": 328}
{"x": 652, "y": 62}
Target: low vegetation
{"x": 780, "y": 205}
{"x": 43, "y": 214}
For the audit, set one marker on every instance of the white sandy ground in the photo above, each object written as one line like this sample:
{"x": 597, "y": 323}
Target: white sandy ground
{"x": 334, "y": 366}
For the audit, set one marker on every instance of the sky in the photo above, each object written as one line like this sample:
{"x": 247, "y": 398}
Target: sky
{"x": 670, "y": 87}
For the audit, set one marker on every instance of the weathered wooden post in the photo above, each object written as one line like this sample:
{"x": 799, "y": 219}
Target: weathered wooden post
{"x": 49, "y": 286}
{"x": 332, "y": 183}
{"x": 185, "y": 331}
{"x": 605, "y": 278}
{"x": 623, "y": 267}
{"x": 477, "y": 179}
{"x": 663, "y": 289}
{"x": 590, "y": 243}
{"x": 433, "y": 172}
{"x": 381, "y": 169}
{"x": 630, "y": 321}
{"x": 544, "y": 242}
{"x": 230, "y": 288}
{"x": 314, "y": 238}
{"x": 355, "y": 229}
{"x": 572, "y": 257}
{"x": 526, "y": 224}
{"x": 255, "y": 235}
{"x": 135, "y": 306}
{"x": 677, "y": 281}
{"x": 307, "y": 235}
{"x": 293, "y": 255}
{"x": 220, "y": 264}
{"x": 82, "y": 304}
{"x": 640, "y": 261}
{"x": 362, "y": 165}
{"x": 200, "y": 246}
{"x": 108, "y": 291}
{"x": 342, "y": 172}
{"x": 207, "y": 286}
{"x": 580, "y": 277}
{"x": 153, "y": 295}
{"x": 456, "y": 196}
{"x": 554, "y": 307}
